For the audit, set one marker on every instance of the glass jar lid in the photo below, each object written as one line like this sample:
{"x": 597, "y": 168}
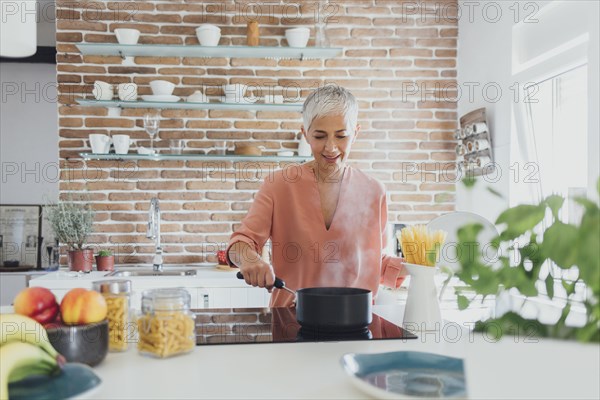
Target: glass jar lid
{"x": 166, "y": 299}
{"x": 113, "y": 286}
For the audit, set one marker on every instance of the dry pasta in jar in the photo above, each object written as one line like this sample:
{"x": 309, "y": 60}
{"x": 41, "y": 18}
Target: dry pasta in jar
{"x": 166, "y": 326}
{"x": 117, "y": 294}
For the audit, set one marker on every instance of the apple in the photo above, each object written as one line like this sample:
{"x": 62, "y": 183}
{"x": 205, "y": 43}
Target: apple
{"x": 38, "y": 303}
{"x": 82, "y": 306}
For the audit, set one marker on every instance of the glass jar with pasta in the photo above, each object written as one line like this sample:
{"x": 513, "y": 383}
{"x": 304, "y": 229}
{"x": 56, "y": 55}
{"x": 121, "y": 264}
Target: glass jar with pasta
{"x": 117, "y": 294}
{"x": 166, "y": 326}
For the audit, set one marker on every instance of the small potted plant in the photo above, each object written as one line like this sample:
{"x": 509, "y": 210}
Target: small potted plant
{"x": 105, "y": 260}
{"x": 72, "y": 223}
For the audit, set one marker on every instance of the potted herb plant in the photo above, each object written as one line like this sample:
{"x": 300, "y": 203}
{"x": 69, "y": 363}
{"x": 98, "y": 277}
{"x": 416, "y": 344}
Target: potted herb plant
{"x": 547, "y": 246}
{"x": 105, "y": 260}
{"x": 72, "y": 223}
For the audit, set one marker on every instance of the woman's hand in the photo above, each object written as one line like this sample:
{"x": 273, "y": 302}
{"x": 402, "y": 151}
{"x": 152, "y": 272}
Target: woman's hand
{"x": 255, "y": 270}
{"x": 258, "y": 273}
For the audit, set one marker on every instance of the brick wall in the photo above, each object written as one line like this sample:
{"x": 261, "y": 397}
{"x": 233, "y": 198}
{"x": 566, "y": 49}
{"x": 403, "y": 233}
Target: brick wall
{"x": 399, "y": 59}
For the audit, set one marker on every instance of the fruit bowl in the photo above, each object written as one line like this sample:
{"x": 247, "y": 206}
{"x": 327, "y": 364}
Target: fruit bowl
{"x": 87, "y": 344}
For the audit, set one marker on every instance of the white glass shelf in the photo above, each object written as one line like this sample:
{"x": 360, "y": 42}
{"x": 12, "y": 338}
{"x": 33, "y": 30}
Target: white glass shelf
{"x": 192, "y": 157}
{"x": 169, "y": 50}
{"x": 185, "y": 105}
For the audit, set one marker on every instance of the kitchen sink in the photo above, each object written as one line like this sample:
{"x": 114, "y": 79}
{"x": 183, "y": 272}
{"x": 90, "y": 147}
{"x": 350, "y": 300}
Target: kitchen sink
{"x": 179, "y": 272}
{"x": 127, "y": 270}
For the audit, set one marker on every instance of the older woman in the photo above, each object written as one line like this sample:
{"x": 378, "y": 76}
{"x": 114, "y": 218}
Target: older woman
{"x": 326, "y": 220}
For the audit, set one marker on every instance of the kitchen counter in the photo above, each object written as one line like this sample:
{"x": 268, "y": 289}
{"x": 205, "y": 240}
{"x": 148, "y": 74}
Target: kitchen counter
{"x": 206, "y": 276}
{"x": 209, "y": 287}
{"x": 511, "y": 368}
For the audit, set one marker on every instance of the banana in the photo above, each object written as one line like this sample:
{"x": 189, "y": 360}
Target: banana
{"x": 25, "y": 371}
{"x": 19, "y": 328}
{"x": 17, "y": 357}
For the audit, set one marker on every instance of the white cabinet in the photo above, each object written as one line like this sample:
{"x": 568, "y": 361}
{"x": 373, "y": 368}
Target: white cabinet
{"x": 201, "y": 297}
{"x": 234, "y": 297}
{"x": 11, "y": 283}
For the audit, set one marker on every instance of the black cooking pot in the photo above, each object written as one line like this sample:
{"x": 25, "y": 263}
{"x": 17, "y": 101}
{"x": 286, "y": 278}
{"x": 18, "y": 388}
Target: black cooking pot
{"x": 334, "y": 308}
{"x": 331, "y": 308}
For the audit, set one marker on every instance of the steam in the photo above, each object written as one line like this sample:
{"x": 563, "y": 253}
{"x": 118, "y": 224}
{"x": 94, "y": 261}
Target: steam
{"x": 358, "y": 262}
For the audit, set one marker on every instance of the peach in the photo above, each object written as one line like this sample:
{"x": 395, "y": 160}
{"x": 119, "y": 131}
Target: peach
{"x": 38, "y": 303}
{"x": 82, "y": 306}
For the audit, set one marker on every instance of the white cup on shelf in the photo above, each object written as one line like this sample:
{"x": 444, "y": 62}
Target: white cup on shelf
{"x": 122, "y": 143}
{"x": 100, "y": 143}
{"x": 127, "y": 91}
{"x": 103, "y": 91}
{"x": 208, "y": 34}
{"x": 297, "y": 37}
{"x": 162, "y": 88}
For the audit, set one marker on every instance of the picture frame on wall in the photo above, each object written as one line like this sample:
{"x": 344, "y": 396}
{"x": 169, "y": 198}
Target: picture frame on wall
{"x": 20, "y": 236}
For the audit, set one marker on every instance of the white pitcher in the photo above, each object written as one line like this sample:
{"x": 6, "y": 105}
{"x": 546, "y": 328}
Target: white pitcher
{"x": 422, "y": 312}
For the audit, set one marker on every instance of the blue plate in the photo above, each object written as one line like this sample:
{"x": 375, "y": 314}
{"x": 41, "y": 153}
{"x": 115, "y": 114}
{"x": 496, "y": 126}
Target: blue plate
{"x": 74, "y": 380}
{"x": 407, "y": 374}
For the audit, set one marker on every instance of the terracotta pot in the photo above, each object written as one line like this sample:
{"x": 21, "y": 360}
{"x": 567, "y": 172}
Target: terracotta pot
{"x": 105, "y": 263}
{"x": 81, "y": 260}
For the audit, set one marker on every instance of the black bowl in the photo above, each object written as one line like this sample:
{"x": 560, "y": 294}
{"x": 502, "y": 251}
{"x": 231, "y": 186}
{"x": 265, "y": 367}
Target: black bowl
{"x": 87, "y": 344}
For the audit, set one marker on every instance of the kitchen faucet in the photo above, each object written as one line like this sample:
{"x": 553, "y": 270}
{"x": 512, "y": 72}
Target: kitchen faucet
{"x": 153, "y": 232}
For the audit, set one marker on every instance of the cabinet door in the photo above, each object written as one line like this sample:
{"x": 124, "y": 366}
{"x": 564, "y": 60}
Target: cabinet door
{"x": 11, "y": 285}
{"x": 204, "y": 296}
{"x": 233, "y": 297}
{"x": 257, "y": 297}
{"x": 219, "y": 298}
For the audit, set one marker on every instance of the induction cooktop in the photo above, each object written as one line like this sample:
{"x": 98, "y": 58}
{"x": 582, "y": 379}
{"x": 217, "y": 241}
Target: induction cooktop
{"x": 279, "y": 325}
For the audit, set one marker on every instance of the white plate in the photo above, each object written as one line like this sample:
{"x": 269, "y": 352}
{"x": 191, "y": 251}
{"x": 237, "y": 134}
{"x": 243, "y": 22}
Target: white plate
{"x": 450, "y": 223}
{"x": 406, "y": 375}
{"x": 164, "y": 98}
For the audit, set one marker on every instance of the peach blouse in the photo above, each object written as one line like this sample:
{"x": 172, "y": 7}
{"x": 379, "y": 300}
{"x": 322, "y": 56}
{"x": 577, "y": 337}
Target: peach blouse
{"x": 304, "y": 253}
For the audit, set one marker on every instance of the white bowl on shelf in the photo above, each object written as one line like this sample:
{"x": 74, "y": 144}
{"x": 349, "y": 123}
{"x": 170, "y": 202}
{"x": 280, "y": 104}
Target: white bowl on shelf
{"x": 127, "y": 36}
{"x": 208, "y": 35}
{"x": 285, "y": 153}
{"x": 145, "y": 151}
{"x": 162, "y": 88}
{"x": 297, "y": 37}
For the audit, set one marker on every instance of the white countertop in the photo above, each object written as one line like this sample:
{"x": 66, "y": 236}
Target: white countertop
{"x": 520, "y": 369}
{"x": 207, "y": 276}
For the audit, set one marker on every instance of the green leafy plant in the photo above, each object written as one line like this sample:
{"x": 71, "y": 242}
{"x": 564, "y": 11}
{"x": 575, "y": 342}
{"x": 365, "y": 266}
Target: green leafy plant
{"x": 71, "y": 222}
{"x": 105, "y": 253}
{"x": 568, "y": 246}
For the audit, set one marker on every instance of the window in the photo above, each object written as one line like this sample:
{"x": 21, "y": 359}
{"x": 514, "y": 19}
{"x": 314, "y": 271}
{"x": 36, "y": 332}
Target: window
{"x": 556, "y": 113}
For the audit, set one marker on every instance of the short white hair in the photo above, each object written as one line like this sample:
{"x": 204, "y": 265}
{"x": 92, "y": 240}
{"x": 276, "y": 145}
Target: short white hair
{"x": 330, "y": 100}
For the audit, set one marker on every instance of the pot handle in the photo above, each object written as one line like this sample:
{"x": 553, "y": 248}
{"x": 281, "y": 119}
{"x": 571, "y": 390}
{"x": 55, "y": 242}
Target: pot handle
{"x": 279, "y": 284}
